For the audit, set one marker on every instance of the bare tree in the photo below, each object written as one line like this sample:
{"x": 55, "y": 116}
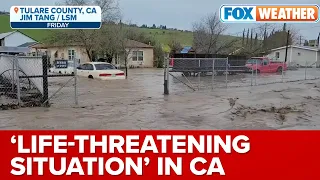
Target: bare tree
{"x": 88, "y": 38}
{"x": 174, "y": 45}
{"x": 208, "y": 35}
{"x": 269, "y": 36}
{"x": 109, "y": 8}
{"x": 108, "y": 42}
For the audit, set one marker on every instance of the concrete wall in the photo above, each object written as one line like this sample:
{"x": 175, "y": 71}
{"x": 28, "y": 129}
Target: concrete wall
{"x": 296, "y": 56}
{"x": 16, "y": 39}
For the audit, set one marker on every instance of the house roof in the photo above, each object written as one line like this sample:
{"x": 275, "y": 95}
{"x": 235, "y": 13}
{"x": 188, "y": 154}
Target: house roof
{"x": 136, "y": 44}
{"x": 27, "y": 44}
{"x": 298, "y": 47}
{"x": 6, "y": 49}
{"x": 129, "y": 44}
{"x": 3, "y": 35}
{"x": 45, "y": 46}
{"x": 186, "y": 49}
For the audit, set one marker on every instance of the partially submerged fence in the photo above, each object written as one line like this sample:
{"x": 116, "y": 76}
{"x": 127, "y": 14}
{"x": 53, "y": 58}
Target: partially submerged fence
{"x": 25, "y": 81}
{"x": 209, "y": 73}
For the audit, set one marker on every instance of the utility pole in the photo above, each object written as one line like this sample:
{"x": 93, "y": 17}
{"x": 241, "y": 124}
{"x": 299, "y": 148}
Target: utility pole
{"x": 126, "y": 56}
{"x": 300, "y": 41}
{"x": 288, "y": 36}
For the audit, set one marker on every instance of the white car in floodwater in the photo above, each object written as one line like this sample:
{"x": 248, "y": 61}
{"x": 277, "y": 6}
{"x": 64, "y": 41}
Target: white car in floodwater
{"x": 100, "y": 70}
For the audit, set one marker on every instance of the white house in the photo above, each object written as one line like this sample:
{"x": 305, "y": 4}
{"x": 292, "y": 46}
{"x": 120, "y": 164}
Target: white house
{"x": 139, "y": 54}
{"x": 297, "y": 55}
{"x": 15, "y": 39}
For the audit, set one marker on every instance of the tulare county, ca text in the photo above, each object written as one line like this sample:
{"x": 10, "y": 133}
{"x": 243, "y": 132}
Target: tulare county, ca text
{"x": 54, "y": 14}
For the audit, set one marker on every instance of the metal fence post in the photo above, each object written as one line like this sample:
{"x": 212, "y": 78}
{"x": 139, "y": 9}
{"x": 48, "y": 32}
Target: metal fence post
{"x": 252, "y": 75}
{"x": 16, "y": 62}
{"x": 75, "y": 82}
{"x": 166, "y": 75}
{"x": 199, "y": 74}
{"x": 255, "y": 79}
{"x": 168, "y": 71}
{"x": 227, "y": 64}
{"x": 45, "y": 96}
{"x": 13, "y": 73}
{"x": 213, "y": 74}
{"x": 305, "y": 71}
{"x": 282, "y": 72}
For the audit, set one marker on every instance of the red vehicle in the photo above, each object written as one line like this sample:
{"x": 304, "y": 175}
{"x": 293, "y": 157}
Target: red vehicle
{"x": 265, "y": 65}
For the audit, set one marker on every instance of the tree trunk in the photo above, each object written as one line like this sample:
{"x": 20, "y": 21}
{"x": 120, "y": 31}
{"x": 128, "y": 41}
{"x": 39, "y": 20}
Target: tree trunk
{"x": 89, "y": 54}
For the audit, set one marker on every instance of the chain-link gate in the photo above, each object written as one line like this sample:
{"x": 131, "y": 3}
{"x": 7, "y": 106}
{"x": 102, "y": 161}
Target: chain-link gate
{"x": 14, "y": 90}
{"x": 203, "y": 73}
{"x": 26, "y": 81}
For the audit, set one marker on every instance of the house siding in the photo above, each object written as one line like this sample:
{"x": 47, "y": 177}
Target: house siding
{"x": 16, "y": 39}
{"x": 147, "y": 58}
{"x": 296, "y": 56}
{"x": 62, "y": 53}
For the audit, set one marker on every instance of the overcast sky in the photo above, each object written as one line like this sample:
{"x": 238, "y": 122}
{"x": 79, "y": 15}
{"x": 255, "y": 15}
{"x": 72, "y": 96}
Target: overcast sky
{"x": 181, "y": 13}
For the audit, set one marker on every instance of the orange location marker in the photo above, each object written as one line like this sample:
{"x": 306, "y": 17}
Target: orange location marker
{"x": 16, "y": 9}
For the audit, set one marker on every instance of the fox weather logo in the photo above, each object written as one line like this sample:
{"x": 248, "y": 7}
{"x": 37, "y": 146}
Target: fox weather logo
{"x": 269, "y": 13}
{"x": 237, "y": 13}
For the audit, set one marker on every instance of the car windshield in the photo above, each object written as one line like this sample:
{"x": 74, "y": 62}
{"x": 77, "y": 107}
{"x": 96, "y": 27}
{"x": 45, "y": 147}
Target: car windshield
{"x": 254, "y": 61}
{"x": 104, "y": 66}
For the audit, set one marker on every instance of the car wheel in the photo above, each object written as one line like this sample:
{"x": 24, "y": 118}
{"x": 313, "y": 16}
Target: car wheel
{"x": 186, "y": 74}
{"x": 90, "y": 77}
{"x": 220, "y": 73}
{"x": 203, "y": 74}
{"x": 256, "y": 71}
{"x": 279, "y": 70}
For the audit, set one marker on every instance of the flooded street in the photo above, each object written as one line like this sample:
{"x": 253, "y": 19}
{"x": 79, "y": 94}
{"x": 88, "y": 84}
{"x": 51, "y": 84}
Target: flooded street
{"x": 139, "y": 103}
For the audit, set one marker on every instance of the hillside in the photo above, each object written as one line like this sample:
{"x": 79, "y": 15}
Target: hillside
{"x": 163, "y": 36}
{"x": 37, "y": 34}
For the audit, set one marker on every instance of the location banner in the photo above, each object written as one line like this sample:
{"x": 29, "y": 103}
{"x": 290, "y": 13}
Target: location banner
{"x": 55, "y": 17}
{"x": 257, "y": 155}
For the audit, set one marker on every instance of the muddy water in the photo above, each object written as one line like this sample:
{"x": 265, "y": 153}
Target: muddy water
{"x": 139, "y": 103}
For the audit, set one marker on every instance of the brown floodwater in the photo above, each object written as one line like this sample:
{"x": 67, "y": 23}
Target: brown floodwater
{"x": 139, "y": 103}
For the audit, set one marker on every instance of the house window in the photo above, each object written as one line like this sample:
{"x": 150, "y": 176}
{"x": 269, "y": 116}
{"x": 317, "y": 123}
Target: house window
{"x": 277, "y": 55}
{"x": 71, "y": 54}
{"x": 137, "y": 56}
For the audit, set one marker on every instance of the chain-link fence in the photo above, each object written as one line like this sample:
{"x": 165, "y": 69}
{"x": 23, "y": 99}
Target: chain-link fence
{"x": 209, "y": 73}
{"x": 63, "y": 83}
{"x": 27, "y": 81}
{"x": 14, "y": 90}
